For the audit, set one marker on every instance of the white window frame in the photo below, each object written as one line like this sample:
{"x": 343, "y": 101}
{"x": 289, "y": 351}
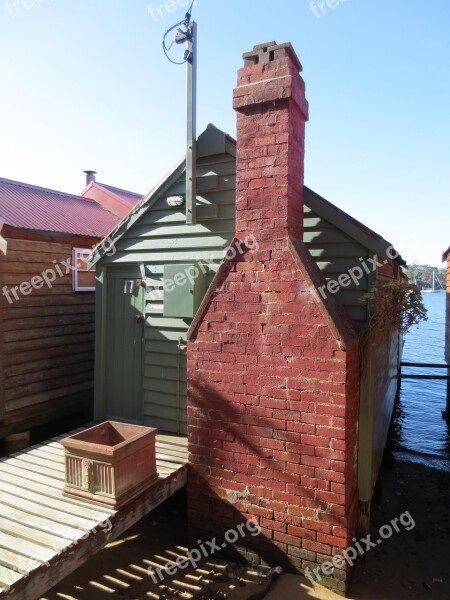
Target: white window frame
{"x": 76, "y": 252}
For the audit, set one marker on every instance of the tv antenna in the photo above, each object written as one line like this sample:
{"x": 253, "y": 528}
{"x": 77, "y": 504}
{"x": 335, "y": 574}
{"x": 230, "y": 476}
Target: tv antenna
{"x": 188, "y": 36}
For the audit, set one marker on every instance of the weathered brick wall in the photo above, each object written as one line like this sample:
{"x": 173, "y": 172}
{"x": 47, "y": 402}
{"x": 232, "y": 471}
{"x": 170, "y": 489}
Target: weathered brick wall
{"x": 272, "y": 411}
{"x": 273, "y": 385}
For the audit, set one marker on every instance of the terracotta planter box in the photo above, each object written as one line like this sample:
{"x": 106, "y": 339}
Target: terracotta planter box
{"x": 110, "y": 463}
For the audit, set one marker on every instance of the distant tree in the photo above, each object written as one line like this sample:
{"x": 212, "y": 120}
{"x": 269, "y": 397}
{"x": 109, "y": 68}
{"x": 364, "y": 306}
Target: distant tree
{"x": 422, "y": 275}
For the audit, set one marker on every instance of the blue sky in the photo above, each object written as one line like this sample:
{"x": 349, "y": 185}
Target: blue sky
{"x": 85, "y": 85}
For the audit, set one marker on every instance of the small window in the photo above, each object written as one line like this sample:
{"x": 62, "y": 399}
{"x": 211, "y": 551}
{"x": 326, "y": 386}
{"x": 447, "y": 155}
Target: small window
{"x": 83, "y": 278}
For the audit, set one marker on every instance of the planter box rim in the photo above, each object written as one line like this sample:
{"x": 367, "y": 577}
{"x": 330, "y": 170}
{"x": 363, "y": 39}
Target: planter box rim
{"x": 73, "y": 442}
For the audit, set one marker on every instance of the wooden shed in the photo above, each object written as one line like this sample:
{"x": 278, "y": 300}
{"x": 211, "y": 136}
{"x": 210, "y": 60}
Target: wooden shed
{"x": 47, "y": 303}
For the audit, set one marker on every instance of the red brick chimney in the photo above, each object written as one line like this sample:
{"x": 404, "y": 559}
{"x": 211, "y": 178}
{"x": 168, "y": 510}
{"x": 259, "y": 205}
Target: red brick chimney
{"x": 273, "y": 370}
{"x": 272, "y": 111}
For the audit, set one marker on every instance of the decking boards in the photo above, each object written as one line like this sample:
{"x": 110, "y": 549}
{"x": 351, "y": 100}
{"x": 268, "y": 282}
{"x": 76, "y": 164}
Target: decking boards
{"x": 44, "y": 536}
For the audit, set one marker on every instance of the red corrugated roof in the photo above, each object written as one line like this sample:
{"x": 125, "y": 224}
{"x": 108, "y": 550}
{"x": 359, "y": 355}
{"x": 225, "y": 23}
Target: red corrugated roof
{"x": 129, "y": 197}
{"x": 30, "y": 207}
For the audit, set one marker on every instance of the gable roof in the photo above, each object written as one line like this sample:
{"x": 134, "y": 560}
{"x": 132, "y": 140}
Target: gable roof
{"x": 445, "y": 254}
{"x": 211, "y": 142}
{"x": 115, "y": 200}
{"x": 214, "y": 141}
{"x": 34, "y": 208}
{"x": 349, "y": 225}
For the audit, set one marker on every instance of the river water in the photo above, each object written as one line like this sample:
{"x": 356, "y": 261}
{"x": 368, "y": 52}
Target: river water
{"x": 420, "y": 433}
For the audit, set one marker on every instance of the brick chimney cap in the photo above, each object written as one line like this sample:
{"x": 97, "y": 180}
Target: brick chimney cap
{"x": 265, "y": 53}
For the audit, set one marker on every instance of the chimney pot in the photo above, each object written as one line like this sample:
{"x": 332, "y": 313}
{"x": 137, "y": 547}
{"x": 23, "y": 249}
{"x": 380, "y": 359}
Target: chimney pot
{"x": 90, "y": 177}
{"x": 262, "y": 54}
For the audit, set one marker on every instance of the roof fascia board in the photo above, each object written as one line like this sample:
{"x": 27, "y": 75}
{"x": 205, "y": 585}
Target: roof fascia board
{"x": 230, "y": 147}
{"x": 139, "y": 210}
{"x": 329, "y": 213}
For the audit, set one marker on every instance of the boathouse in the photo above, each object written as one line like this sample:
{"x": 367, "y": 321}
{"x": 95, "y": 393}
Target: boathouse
{"x": 446, "y": 257}
{"x": 242, "y": 331}
{"x": 47, "y": 303}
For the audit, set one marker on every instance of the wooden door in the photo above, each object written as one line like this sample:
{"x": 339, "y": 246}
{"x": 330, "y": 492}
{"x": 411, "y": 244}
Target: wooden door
{"x": 125, "y": 324}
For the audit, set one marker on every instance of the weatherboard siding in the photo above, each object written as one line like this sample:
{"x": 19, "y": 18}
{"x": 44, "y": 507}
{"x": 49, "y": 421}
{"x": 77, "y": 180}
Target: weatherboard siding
{"x": 161, "y": 237}
{"x": 47, "y": 339}
{"x": 336, "y": 253}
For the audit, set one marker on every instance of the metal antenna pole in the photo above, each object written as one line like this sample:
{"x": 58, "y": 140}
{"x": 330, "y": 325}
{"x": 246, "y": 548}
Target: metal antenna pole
{"x": 191, "y": 146}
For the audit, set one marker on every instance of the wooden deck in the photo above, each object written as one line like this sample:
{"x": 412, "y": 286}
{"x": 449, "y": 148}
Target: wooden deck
{"x": 45, "y": 536}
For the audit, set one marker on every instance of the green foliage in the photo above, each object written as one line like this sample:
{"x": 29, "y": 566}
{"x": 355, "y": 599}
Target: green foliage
{"x": 395, "y": 306}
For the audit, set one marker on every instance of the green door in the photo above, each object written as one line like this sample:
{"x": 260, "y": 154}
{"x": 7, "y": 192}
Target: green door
{"x": 125, "y": 324}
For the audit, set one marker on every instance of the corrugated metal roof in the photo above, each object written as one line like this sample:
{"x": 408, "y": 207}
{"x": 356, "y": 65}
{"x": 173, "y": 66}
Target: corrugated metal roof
{"x": 129, "y": 197}
{"x": 30, "y": 207}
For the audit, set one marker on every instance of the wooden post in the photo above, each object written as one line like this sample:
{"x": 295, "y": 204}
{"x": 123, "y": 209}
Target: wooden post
{"x": 446, "y": 412}
{"x": 191, "y": 149}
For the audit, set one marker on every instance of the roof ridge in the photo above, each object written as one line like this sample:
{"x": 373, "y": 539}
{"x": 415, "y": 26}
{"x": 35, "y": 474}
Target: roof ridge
{"x": 113, "y": 187}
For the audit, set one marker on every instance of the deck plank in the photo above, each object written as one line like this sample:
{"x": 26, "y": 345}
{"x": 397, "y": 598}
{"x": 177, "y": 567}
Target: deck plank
{"x": 50, "y": 447}
{"x": 169, "y": 464}
{"x": 15, "y": 562}
{"x": 176, "y": 453}
{"x": 30, "y": 534}
{"x": 8, "y": 577}
{"x": 40, "y": 523}
{"x": 32, "y": 476}
{"x": 32, "y": 467}
{"x": 54, "y": 458}
{"x": 174, "y": 441}
{"x": 51, "y": 497}
{"x": 25, "y": 548}
{"x": 163, "y": 456}
{"x": 46, "y": 467}
{"x": 37, "y": 505}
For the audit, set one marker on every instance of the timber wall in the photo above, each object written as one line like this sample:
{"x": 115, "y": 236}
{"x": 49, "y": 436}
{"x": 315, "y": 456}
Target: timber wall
{"x": 47, "y": 338}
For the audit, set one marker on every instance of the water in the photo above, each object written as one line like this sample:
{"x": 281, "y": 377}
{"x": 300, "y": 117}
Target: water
{"x": 420, "y": 433}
